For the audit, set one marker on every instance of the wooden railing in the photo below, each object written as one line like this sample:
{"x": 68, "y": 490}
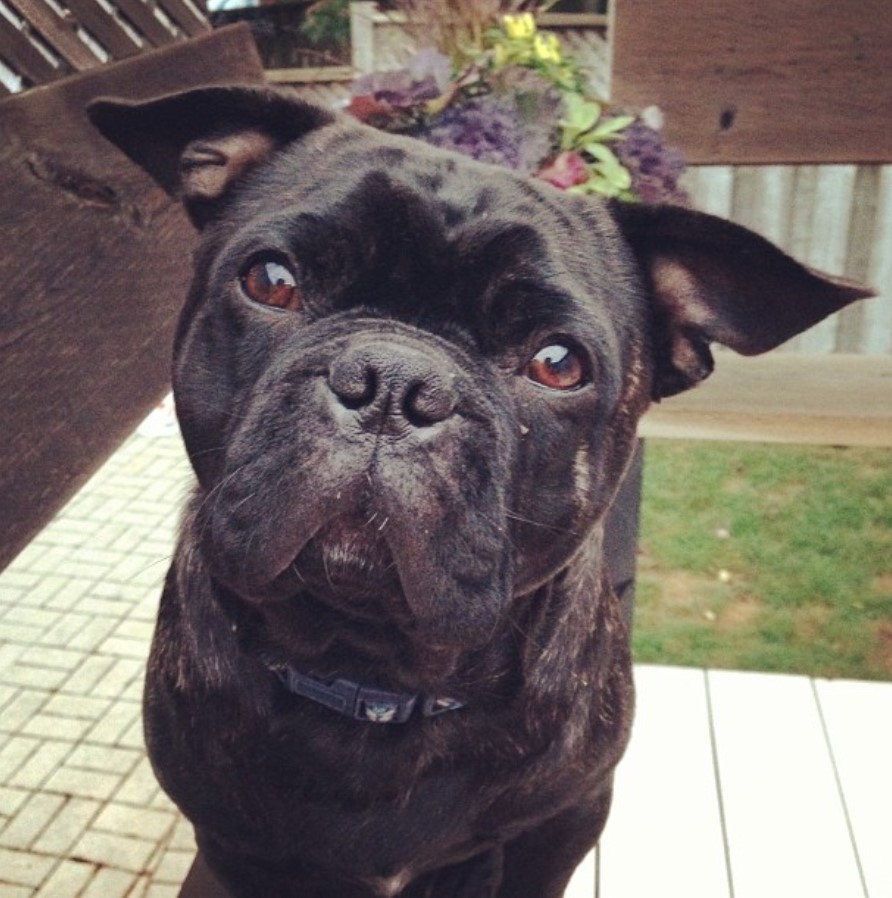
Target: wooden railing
{"x": 92, "y": 276}
{"x": 42, "y": 42}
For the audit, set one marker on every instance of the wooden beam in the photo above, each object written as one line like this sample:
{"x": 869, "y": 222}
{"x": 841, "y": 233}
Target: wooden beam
{"x": 797, "y": 81}
{"x": 322, "y": 74}
{"x": 140, "y": 15}
{"x": 573, "y": 20}
{"x": 93, "y": 271}
{"x": 843, "y": 400}
{"x": 186, "y": 16}
{"x": 24, "y": 57}
{"x": 58, "y": 32}
{"x": 105, "y": 28}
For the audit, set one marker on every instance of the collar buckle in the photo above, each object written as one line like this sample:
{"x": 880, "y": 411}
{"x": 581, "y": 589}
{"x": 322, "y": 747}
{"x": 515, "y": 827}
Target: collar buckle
{"x": 362, "y": 702}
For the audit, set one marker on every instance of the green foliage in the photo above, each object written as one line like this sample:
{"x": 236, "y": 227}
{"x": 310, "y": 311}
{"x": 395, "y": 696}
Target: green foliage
{"x": 584, "y": 132}
{"x": 328, "y": 23}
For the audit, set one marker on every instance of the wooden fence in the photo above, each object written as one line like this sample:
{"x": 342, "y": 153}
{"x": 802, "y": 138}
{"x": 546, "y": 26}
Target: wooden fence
{"x": 837, "y": 218}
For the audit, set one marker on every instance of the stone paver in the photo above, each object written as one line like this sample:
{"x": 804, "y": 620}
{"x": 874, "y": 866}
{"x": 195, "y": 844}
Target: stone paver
{"x": 81, "y": 815}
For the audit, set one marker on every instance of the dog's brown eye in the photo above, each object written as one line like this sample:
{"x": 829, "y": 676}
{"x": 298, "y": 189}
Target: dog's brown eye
{"x": 557, "y": 367}
{"x": 272, "y": 283}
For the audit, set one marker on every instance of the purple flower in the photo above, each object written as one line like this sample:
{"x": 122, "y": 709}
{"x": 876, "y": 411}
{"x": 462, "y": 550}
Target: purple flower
{"x": 482, "y": 128}
{"x": 656, "y": 169}
{"x": 426, "y": 77}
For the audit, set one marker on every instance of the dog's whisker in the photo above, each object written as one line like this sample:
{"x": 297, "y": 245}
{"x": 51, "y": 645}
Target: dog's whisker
{"x": 514, "y": 516}
{"x": 328, "y": 576}
{"x": 246, "y": 555}
{"x": 209, "y": 451}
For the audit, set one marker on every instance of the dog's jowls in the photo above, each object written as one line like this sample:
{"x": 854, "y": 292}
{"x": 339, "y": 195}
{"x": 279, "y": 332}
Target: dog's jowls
{"x": 388, "y": 661}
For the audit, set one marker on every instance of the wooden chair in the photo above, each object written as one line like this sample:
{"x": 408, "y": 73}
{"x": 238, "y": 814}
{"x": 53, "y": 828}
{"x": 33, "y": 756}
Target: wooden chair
{"x": 92, "y": 271}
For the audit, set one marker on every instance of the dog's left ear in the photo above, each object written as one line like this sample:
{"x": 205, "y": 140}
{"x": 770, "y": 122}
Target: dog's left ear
{"x": 196, "y": 144}
{"x": 714, "y": 281}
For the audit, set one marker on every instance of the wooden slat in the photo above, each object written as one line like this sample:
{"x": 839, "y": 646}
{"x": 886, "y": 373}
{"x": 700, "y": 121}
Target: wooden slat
{"x": 57, "y": 32}
{"x": 140, "y": 15}
{"x": 92, "y": 277}
{"x": 311, "y": 75}
{"x": 23, "y": 57}
{"x": 784, "y": 398}
{"x": 712, "y": 188}
{"x": 664, "y": 835}
{"x": 573, "y": 20}
{"x": 799, "y": 81}
{"x": 105, "y": 28}
{"x": 191, "y": 22}
{"x": 827, "y": 242}
{"x": 785, "y": 822}
{"x": 878, "y": 316}
{"x": 763, "y": 199}
{"x": 858, "y": 718}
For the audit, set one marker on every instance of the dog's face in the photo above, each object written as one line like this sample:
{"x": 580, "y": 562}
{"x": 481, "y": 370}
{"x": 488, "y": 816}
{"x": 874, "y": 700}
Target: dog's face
{"x": 408, "y": 383}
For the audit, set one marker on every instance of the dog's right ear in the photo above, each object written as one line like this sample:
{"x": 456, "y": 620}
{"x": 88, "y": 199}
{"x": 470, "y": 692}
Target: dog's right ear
{"x": 196, "y": 144}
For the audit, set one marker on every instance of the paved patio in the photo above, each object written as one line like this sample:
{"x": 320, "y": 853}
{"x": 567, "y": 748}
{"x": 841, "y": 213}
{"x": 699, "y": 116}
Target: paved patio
{"x": 737, "y": 785}
{"x": 80, "y": 812}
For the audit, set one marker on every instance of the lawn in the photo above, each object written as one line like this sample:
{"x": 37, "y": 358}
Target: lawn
{"x": 770, "y": 558}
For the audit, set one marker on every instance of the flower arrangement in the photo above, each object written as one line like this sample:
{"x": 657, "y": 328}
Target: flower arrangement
{"x": 508, "y": 94}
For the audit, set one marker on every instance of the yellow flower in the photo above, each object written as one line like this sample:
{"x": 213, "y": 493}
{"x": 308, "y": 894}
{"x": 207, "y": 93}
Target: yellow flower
{"x": 547, "y": 47}
{"x": 519, "y": 26}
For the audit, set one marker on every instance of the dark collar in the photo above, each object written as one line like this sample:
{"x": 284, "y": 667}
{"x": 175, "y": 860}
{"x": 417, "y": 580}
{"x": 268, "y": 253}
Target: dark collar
{"x": 362, "y": 702}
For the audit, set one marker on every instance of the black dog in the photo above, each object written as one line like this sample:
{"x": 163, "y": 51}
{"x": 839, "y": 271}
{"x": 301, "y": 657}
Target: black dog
{"x": 388, "y": 661}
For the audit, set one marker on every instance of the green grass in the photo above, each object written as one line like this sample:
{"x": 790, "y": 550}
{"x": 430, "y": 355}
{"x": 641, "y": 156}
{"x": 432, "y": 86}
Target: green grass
{"x": 768, "y": 558}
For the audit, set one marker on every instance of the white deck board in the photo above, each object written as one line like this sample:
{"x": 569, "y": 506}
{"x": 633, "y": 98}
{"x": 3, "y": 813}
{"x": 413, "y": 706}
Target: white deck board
{"x": 747, "y": 785}
{"x": 858, "y": 718}
{"x": 664, "y": 836}
{"x": 584, "y": 881}
{"x": 786, "y": 826}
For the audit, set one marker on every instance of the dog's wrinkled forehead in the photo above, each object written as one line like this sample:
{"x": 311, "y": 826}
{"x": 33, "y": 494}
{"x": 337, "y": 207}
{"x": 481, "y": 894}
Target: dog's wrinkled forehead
{"x": 405, "y": 228}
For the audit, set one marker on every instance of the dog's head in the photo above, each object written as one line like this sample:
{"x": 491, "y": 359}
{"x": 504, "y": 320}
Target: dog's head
{"x": 409, "y": 383}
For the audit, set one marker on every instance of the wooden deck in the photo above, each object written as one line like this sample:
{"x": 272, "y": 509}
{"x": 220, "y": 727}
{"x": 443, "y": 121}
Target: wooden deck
{"x": 749, "y": 785}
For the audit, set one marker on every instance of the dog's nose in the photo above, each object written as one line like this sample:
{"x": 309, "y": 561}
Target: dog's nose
{"x": 386, "y": 382}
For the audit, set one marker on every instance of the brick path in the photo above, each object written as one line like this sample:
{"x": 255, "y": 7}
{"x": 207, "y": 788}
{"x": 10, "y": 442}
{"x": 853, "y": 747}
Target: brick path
{"x": 81, "y": 815}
